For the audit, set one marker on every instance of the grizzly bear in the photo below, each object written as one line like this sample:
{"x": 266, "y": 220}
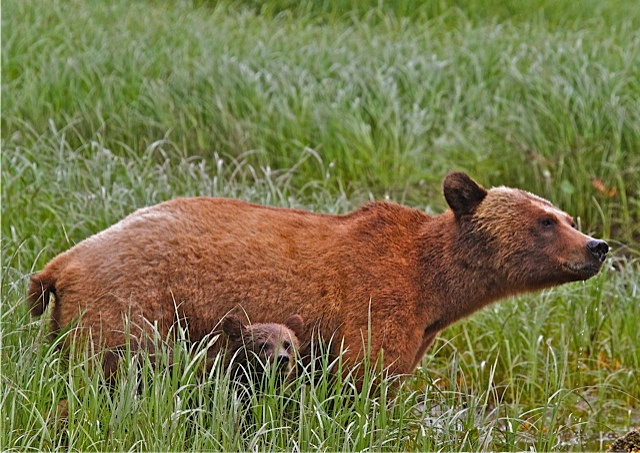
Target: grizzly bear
{"x": 251, "y": 350}
{"x": 385, "y": 274}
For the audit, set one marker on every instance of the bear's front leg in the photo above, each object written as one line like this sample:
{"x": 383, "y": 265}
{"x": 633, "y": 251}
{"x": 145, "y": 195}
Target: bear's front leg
{"x": 391, "y": 349}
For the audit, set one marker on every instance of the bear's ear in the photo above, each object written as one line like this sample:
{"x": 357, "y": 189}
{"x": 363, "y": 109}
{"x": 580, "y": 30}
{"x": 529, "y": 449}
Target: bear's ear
{"x": 462, "y": 193}
{"x": 296, "y": 324}
{"x": 233, "y": 327}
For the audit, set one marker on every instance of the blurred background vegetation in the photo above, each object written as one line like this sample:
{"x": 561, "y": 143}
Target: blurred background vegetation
{"x": 389, "y": 95}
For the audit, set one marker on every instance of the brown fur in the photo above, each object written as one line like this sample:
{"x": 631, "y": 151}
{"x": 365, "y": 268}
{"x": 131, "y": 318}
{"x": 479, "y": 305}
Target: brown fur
{"x": 405, "y": 273}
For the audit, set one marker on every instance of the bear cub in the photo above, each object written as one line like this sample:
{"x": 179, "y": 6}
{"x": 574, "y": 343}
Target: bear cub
{"x": 253, "y": 351}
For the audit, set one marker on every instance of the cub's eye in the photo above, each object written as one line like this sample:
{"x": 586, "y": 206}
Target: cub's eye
{"x": 286, "y": 345}
{"x": 573, "y": 225}
{"x": 547, "y": 222}
{"x": 261, "y": 346}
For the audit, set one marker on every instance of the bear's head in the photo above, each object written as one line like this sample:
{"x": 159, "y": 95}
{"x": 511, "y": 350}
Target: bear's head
{"x": 518, "y": 237}
{"x": 258, "y": 347}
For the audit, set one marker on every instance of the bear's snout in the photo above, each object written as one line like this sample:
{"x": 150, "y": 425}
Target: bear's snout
{"x": 283, "y": 361}
{"x": 598, "y": 249}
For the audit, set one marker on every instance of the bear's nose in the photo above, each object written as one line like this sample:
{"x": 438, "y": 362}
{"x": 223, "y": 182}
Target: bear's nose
{"x": 598, "y": 249}
{"x": 283, "y": 361}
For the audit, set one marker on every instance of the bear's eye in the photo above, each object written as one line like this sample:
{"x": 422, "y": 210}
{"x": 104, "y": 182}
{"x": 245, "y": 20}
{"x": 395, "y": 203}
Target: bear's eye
{"x": 261, "y": 346}
{"x": 547, "y": 222}
{"x": 286, "y": 345}
{"x": 573, "y": 225}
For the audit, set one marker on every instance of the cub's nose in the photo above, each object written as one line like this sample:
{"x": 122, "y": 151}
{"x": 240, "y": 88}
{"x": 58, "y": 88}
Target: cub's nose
{"x": 598, "y": 249}
{"x": 283, "y": 361}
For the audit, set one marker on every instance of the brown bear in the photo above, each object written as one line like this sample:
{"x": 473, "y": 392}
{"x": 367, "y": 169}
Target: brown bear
{"x": 253, "y": 349}
{"x": 400, "y": 272}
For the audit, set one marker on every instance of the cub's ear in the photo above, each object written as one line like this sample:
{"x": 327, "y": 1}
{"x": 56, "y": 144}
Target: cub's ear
{"x": 462, "y": 193}
{"x": 233, "y": 327}
{"x": 295, "y": 323}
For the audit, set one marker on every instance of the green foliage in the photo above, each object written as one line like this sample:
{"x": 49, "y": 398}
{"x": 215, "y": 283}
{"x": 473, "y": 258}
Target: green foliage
{"x": 550, "y": 371}
{"x": 543, "y": 95}
{"x": 110, "y": 106}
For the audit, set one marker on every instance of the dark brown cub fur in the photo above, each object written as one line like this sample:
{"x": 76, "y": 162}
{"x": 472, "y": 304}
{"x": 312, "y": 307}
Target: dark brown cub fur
{"x": 250, "y": 350}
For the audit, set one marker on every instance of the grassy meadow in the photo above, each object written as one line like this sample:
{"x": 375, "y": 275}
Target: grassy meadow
{"x": 111, "y": 106}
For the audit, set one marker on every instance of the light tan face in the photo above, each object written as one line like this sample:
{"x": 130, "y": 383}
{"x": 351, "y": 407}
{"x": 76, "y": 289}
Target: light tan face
{"x": 274, "y": 344}
{"x": 264, "y": 344}
{"x": 538, "y": 239}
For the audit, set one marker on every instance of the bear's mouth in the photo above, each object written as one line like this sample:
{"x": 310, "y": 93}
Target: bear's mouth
{"x": 284, "y": 371}
{"x": 582, "y": 270}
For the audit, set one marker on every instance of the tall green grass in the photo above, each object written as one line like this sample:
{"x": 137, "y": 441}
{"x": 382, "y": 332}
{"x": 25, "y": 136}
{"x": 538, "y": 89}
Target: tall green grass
{"x": 107, "y": 107}
{"x": 507, "y": 93}
{"x": 556, "y": 370}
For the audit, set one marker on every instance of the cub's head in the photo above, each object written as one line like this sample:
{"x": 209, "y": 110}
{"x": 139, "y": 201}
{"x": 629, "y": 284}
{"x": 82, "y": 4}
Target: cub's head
{"x": 259, "y": 347}
{"x": 520, "y": 236}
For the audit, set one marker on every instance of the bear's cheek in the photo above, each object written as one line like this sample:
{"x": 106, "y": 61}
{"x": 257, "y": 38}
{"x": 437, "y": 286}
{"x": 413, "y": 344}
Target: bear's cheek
{"x": 265, "y": 358}
{"x": 531, "y": 249}
{"x": 557, "y": 246}
{"x": 533, "y": 260}
{"x": 265, "y": 355}
{"x": 560, "y": 258}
